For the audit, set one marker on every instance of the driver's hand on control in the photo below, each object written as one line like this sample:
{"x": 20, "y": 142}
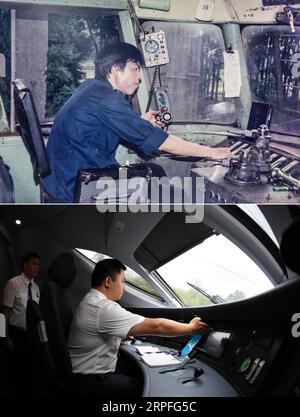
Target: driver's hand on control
{"x": 198, "y": 326}
{"x": 151, "y": 116}
{"x": 220, "y": 153}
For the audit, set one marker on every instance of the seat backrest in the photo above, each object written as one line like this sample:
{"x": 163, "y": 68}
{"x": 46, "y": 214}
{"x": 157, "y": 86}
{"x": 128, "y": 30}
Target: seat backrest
{"x": 7, "y": 194}
{"x": 57, "y": 310}
{"x": 30, "y": 129}
{"x": 41, "y": 358}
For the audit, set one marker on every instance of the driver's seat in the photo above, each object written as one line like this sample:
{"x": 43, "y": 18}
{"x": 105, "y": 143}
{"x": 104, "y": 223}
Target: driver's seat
{"x": 30, "y": 130}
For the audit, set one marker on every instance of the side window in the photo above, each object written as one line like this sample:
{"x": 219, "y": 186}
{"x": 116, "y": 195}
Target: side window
{"x": 52, "y": 52}
{"x": 273, "y": 60}
{"x": 73, "y": 44}
{"x": 5, "y": 57}
{"x": 131, "y": 276}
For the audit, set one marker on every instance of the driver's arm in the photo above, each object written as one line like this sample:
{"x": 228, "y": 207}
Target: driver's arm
{"x": 166, "y": 327}
{"x": 178, "y": 146}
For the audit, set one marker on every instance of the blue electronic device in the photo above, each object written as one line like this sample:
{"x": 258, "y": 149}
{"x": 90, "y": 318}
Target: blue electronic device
{"x": 190, "y": 345}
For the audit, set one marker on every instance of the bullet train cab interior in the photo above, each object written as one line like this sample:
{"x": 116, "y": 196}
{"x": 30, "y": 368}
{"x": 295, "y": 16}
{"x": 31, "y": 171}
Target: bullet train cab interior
{"x": 237, "y": 269}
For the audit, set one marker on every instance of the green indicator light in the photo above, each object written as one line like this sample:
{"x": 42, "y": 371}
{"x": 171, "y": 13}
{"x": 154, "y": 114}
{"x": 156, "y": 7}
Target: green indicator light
{"x": 245, "y": 364}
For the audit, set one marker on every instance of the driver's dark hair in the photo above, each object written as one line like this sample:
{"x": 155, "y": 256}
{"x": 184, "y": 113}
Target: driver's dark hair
{"x": 118, "y": 54}
{"x": 105, "y": 268}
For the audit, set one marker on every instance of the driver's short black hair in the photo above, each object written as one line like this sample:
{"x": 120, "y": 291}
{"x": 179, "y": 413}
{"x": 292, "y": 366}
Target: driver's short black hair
{"x": 118, "y": 54}
{"x": 104, "y": 269}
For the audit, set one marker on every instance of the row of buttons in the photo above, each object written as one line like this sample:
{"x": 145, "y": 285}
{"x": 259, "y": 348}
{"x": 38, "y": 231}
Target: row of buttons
{"x": 215, "y": 196}
{"x": 255, "y": 369}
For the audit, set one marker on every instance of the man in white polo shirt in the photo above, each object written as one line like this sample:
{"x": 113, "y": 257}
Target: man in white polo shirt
{"x": 17, "y": 292}
{"x": 99, "y": 326}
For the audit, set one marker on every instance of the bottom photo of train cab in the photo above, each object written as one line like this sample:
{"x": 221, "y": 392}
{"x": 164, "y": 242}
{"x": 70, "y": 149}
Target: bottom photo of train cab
{"x": 149, "y": 305}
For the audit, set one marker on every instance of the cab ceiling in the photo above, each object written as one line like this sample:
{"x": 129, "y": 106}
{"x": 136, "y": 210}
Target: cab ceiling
{"x": 85, "y": 227}
{"x": 171, "y": 236}
{"x": 76, "y": 226}
{"x": 36, "y": 9}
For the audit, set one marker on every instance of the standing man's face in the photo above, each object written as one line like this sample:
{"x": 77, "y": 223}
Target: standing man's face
{"x": 127, "y": 80}
{"x": 31, "y": 268}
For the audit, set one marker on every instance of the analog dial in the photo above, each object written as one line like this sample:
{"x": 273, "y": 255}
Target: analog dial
{"x": 151, "y": 46}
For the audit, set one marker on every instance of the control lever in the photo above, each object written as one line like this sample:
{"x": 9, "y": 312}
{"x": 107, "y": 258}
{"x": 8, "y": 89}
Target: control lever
{"x": 289, "y": 15}
{"x": 226, "y": 162}
{"x": 287, "y": 178}
{"x": 289, "y": 12}
{"x": 189, "y": 359}
{"x": 197, "y": 373}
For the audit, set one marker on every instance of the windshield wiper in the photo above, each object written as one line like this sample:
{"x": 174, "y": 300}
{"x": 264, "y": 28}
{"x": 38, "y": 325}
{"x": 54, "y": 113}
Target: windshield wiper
{"x": 215, "y": 299}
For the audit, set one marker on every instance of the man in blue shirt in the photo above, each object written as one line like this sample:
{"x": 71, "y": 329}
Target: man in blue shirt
{"x": 90, "y": 125}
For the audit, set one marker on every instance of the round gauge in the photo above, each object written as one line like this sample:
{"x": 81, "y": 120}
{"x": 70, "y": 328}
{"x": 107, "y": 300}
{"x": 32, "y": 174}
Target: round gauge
{"x": 151, "y": 46}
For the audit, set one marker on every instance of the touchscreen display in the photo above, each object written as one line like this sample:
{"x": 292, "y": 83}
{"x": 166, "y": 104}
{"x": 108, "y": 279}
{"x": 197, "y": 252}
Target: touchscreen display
{"x": 215, "y": 343}
{"x": 190, "y": 345}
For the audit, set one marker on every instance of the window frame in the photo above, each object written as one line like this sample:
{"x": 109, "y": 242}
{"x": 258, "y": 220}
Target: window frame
{"x": 148, "y": 74}
{"x": 69, "y": 10}
{"x": 92, "y": 263}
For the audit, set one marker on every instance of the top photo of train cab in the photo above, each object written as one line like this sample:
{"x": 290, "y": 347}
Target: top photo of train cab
{"x": 144, "y": 101}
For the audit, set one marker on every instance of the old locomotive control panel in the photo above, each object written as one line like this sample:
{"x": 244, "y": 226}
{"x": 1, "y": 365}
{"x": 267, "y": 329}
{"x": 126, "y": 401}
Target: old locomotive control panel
{"x": 256, "y": 172}
{"x": 155, "y": 49}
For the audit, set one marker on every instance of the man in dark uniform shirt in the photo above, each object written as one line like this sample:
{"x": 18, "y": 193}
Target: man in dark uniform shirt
{"x": 89, "y": 126}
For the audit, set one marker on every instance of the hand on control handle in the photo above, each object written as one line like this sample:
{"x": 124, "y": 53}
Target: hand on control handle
{"x": 220, "y": 153}
{"x": 198, "y": 326}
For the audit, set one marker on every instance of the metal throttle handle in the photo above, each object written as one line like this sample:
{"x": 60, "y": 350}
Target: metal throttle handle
{"x": 288, "y": 178}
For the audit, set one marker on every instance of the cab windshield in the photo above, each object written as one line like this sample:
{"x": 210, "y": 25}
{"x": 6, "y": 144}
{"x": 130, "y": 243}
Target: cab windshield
{"x": 199, "y": 277}
{"x": 194, "y": 77}
{"x": 218, "y": 270}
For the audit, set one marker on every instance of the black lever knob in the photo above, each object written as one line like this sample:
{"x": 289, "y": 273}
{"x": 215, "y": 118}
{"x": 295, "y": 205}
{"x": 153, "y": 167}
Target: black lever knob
{"x": 198, "y": 372}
